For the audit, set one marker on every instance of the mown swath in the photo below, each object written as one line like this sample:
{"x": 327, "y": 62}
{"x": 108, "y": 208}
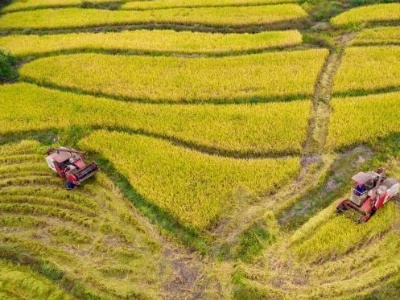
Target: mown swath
{"x": 92, "y": 235}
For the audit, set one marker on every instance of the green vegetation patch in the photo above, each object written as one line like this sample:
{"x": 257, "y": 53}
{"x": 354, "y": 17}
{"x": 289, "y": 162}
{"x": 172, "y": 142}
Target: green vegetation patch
{"x": 250, "y": 78}
{"x": 368, "y": 14}
{"x": 149, "y": 41}
{"x": 243, "y": 129}
{"x": 195, "y": 188}
{"x": 215, "y": 16}
{"x": 7, "y": 67}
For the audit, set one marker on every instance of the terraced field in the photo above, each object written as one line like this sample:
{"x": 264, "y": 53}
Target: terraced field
{"x": 226, "y": 133}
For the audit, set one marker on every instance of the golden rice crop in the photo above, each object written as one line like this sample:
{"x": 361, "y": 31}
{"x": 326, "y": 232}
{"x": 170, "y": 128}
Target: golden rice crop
{"x": 341, "y": 234}
{"x": 94, "y": 235}
{"x": 195, "y": 188}
{"x": 223, "y": 16}
{"x": 368, "y": 69}
{"x": 261, "y": 128}
{"x": 17, "y": 282}
{"x": 356, "y": 120}
{"x": 157, "y": 4}
{"x": 368, "y": 14}
{"x": 180, "y": 79}
{"x": 33, "y": 4}
{"x": 378, "y": 35}
{"x": 149, "y": 40}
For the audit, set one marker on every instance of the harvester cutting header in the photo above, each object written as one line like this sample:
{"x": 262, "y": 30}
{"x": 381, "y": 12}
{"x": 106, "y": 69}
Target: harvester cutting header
{"x": 68, "y": 163}
{"x": 371, "y": 191}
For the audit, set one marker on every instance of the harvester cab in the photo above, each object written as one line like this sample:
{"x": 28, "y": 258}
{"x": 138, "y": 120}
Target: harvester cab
{"x": 370, "y": 192}
{"x": 68, "y": 163}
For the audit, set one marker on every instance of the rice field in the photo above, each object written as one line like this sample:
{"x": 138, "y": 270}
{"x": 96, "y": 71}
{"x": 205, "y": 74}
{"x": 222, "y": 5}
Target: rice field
{"x": 378, "y": 36}
{"x": 370, "y": 14}
{"x": 223, "y": 149}
{"x": 246, "y": 128}
{"x": 160, "y": 4}
{"x": 247, "y": 78}
{"x": 363, "y": 119}
{"x": 18, "y": 5}
{"x": 368, "y": 69}
{"x": 92, "y": 235}
{"x": 202, "y": 187}
{"x": 151, "y": 41}
{"x": 206, "y": 16}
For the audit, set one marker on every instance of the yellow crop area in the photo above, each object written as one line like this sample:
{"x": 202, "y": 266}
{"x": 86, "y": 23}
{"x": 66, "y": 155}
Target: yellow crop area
{"x": 363, "y": 119}
{"x": 177, "y": 79}
{"x": 378, "y": 35}
{"x": 245, "y": 128}
{"x": 225, "y": 134}
{"x": 157, "y": 4}
{"x": 195, "y": 188}
{"x": 368, "y": 69}
{"x": 17, "y": 5}
{"x": 223, "y": 16}
{"x": 368, "y": 14}
{"x": 93, "y": 235}
{"x": 149, "y": 41}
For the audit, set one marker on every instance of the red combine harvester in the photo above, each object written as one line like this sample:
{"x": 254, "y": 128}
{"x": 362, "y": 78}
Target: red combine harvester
{"x": 371, "y": 191}
{"x": 68, "y": 163}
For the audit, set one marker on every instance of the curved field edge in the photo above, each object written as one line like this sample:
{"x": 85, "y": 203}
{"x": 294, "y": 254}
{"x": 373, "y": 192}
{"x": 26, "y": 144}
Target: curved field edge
{"x": 247, "y": 78}
{"x": 196, "y": 189}
{"x": 377, "y": 13}
{"x": 94, "y": 235}
{"x": 217, "y": 16}
{"x": 373, "y": 117}
{"x": 234, "y": 130}
{"x": 152, "y": 41}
